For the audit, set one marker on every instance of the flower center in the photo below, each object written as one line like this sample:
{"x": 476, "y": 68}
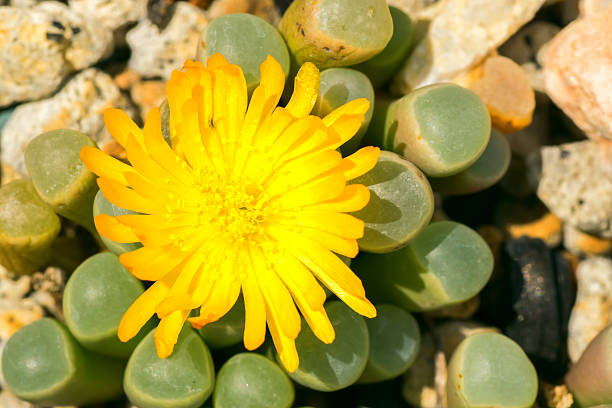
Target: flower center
{"x": 233, "y": 209}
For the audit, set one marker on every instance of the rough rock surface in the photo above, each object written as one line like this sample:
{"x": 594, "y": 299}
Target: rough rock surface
{"x": 111, "y": 13}
{"x": 593, "y": 7}
{"x": 581, "y": 243}
{"x": 576, "y": 185}
{"x": 577, "y": 73}
{"x": 50, "y": 40}
{"x": 460, "y": 36}
{"x": 78, "y": 105}
{"x": 528, "y": 49}
{"x": 148, "y": 95}
{"x": 593, "y": 309}
{"x": 261, "y": 8}
{"x": 155, "y": 52}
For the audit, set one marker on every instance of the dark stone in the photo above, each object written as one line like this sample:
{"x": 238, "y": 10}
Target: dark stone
{"x": 282, "y": 5}
{"x": 160, "y": 12}
{"x": 542, "y": 293}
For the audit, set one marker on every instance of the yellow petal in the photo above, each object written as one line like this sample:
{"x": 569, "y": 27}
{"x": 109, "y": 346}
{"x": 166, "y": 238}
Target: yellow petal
{"x": 104, "y": 165}
{"x": 308, "y": 295}
{"x": 216, "y": 61}
{"x": 305, "y": 90}
{"x": 255, "y": 313}
{"x": 167, "y": 332}
{"x": 284, "y": 344}
{"x": 109, "y": 227}
{"x": 143, "y": 308}
{"x": 221, "y": 299}
{"x": 120, "y": 126}
{"x": 339, "y": 245}
{"x": 321, "y": 189}
{"x": 346, "y": 120}
{"x": 340, "y": 224}
{"x": 353, "y": 198}
{"x": 360, "y": 162}
{"x": 125, "y": 197}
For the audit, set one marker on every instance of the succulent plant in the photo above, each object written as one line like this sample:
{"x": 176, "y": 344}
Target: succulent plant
{"x": 245, "y": 40}
{"x": 394, "y": 343}
{"x": 330, "y": 367}
{"x": 445, "y": 264}
{"x": 96, "y": 296}
{"x": 184, "y": 380}
{"x": 61, "y": 179}
{"x": 383, "y": 66}
{"x": 339, "y": 86}
{"x": 249, "y": 380}
{"x": 489, "y": 369}
{"x": 401, "y": 204}
{"x": 441, "y": 128}
{"x": 590, "y": 378}
{"x": 44, "y": 364}
{"x": 486, "y": 171}
{"x": 336, "y": 33}
{"x": 28, "y": 227}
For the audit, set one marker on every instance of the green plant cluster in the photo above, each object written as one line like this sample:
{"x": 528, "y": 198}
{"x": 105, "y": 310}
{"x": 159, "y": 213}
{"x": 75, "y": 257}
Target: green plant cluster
{"x": 436, "y": 139}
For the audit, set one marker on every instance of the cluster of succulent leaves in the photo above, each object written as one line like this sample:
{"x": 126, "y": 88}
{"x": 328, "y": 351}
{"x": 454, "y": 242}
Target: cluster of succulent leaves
{"x": 437, "y": 138}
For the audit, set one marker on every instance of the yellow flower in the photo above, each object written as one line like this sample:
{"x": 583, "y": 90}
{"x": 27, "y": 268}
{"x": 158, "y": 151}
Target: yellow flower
{"x": 250, "y": 199}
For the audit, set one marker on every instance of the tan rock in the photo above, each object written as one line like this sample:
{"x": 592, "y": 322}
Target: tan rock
{"x": 581, "y": 243}
{"x": 592, "y": 311}
{"x": 9, "y": 400}
{"x": 43, "y": 44}
{"x": 261, "y": 8}
{"x": 155, "y": 52}
{"x": 504, "y": 88}
{"x": 460, "y": 37}
{"x": 78, "y": 105}
{"x": 126, "y": 79}
{"x": 577, "y": 73}
{"x": 419, "y": 9}
{"x": 527, "y": 48}
{"x": 111, "y": 14}
{"x": 9, "y": 174}
{"x": 148, "y": 95}
{"x": 590, "y": 8}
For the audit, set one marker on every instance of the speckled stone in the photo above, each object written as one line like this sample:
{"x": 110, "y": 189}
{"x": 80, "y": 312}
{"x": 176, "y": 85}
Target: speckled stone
{"x": 576, "y": 185}
{"x": 581, "y": 243}
{"x": 592, "y": 311}
{"x": 419, "y": 9}
{"x": 50, "y": 40}
{"x": 577, "y": 73}
{"x": 157, "y": 52}
{"x": 148, "y": 95}
{"x": 111, "y": 13}
{"x": 78, "y": 105}
{"x": 462, "y": 34}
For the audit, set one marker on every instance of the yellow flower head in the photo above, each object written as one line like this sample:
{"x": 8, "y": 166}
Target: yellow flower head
{"x": 250, "y": 197}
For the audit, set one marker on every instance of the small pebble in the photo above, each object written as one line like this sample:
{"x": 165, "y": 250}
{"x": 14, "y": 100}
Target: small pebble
{"x": 504, "y": 88}
{"x": 582, "y": 244}
{"x": 261, "y": 8}
{"x": 592, "y": 311}
{"x": 547, "y": 228}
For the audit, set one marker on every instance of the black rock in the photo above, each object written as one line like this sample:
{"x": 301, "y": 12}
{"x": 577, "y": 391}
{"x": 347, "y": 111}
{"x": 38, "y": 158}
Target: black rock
{"x": 542, "y": 293}
{"x": 282, "y": 4}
